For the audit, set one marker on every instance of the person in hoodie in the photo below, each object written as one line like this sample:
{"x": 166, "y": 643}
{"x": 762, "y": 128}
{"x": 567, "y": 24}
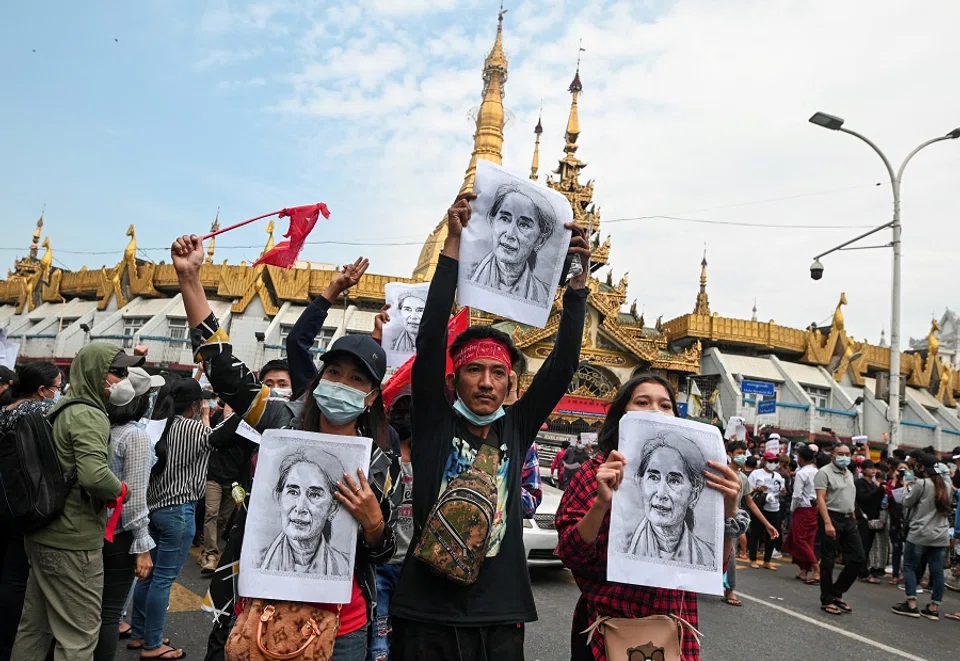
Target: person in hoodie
{"x": 65, "y": 587}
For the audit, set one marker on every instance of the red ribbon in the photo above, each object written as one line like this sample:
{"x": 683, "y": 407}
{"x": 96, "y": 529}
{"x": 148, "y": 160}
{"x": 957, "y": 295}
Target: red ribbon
{"x": 117, "y": 505}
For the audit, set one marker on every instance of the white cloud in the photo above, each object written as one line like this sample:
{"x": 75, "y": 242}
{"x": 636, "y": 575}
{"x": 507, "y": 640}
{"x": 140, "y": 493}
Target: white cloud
{"x": 228, "y": 85}
{"x": 689, "y": 109}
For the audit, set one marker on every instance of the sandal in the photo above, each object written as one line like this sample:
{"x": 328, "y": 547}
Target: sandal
{"x": 801, "y": 578}
{"x": 873, "y": 579}
{"x": 769, "y": 567}
{"x": 832, "y": 609}
{"x": 166, "y": 654}
{"x": 812, "y": 581}
{"x": 125, "y": 633}
{"x": 952, "y": 616}
{"x": 732, "y": 601}
{"x": 842, "y": 605}
{"x": 137, "y": 643}
{"x": 893, "y": 581}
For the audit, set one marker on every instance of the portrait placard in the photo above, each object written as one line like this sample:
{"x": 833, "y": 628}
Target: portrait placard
{"x": 406, "y": 310}
{"x": 666, "y": 524}
{"x": 299, "y": 543}
{"x": 512, "y": 250}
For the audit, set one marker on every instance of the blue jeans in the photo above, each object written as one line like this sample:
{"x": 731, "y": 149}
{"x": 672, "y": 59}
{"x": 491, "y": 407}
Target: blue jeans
{"x": 387, "y": 577}
{"x": 172, "y": 528}
{"x": 913, "y": 555}
{"x": 352, "y": 647}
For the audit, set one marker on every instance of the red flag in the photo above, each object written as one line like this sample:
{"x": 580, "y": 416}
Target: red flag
{"x": 401, "y": 378}
{"x": 302, "y": 221}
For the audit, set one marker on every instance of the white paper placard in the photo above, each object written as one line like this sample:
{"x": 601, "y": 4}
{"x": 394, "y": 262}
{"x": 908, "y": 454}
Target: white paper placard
{"x": 772, "y": 446}
{"x": 8, "y": 350}
{"x": 406, "y": 310}
{"x": 663, "y": 496}
{"x": 299, "y": 543}
{"x": 898, "y": 495}
{"x": 154, "y": 429}
{"x": 248, "y": 432}
{"x": 512, "y": 250}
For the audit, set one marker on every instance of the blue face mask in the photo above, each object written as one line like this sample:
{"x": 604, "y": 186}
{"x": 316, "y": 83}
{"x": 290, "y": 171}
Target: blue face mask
{"x": 339, "y": 404}
{"x": 740, "y": 459}
{"x": 55, "y": 398}
{"x": 841, "y": 462}
{"x": 473, "y": 418}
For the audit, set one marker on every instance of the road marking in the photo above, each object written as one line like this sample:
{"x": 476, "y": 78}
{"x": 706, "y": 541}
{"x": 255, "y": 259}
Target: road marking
{"x": 830, "y": 627}
{"x": 183, "y": 599}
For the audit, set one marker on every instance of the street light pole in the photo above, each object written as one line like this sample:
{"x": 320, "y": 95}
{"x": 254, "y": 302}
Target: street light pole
{"x": 836, "y": 124}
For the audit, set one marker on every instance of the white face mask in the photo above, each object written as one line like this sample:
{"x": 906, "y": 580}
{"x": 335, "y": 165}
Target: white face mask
{"x": 286, "y": 393}
{"x": 121, "y": 393}
{"x": 772, "y": 466}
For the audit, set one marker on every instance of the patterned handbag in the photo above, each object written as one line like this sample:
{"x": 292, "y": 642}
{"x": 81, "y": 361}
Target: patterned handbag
{"x": 653, "y": 638}
{"x": 281, "y": 631}
{"x": 456, "y": 536}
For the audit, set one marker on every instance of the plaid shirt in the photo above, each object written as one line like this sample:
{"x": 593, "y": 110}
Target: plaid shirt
{"x": 531, "y": 489}
{"x": 588, "y": 562}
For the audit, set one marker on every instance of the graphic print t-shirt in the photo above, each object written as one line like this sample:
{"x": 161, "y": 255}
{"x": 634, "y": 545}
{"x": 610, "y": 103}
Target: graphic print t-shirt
{"x": 403, "y": 499}
{"x": 462, "y": 456}
{"x": 774, "y": 484}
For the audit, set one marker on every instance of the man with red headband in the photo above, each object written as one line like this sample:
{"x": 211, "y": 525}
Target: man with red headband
{"x": 433, "y": 617}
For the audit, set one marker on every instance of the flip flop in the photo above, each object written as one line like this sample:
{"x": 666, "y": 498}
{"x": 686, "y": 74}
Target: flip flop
{"x": 842, "y": 605}
{"x": 165, "y": 655}
{"x": 769, "y": 567}
{"x": 952, "y": 616}
{"x": 812, "y": 581}
{"x": 832, "y": 609}
{"x": 125, "y": 633}
{"x": 801, "y": 578}
{"x": 137, "y": 643}
{"x": 735, "y": 602}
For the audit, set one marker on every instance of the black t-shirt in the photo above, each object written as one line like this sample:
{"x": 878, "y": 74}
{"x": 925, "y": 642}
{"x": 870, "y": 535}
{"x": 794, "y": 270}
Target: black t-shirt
{"x": 442, "y": 448}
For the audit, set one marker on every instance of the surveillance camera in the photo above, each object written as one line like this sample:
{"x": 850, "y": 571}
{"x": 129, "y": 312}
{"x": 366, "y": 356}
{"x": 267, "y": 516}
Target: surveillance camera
{"x": 816, "y": 270}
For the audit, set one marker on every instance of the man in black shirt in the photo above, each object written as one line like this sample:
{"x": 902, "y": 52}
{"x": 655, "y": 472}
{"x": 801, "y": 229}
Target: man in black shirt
{"x": 433, "y": 617}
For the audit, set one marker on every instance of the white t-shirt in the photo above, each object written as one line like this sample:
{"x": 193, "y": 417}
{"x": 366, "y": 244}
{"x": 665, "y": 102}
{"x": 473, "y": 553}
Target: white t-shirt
{"x": 774, "y": 484}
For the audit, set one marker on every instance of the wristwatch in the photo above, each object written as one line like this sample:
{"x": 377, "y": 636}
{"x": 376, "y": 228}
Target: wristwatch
{"x": 736, "y": 525}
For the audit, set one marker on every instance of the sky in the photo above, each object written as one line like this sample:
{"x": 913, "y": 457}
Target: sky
{"x": 160, "y": 112}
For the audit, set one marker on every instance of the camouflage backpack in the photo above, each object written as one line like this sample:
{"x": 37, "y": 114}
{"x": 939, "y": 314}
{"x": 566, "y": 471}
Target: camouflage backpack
{"x": 456, "y": 537}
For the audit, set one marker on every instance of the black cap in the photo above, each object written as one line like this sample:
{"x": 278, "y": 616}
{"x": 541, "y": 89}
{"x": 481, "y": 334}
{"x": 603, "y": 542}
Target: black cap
{"x": 926, "y": 460}
{"x": 186, "y": 391}
{"x": 365, "y": 349}
{"x": 7, "y": 375}
{"x": 956, "y": 453}
{"x": 123, "y": 359}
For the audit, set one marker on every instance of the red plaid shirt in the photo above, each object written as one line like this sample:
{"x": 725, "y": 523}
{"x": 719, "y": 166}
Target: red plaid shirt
{"x": 588, "y": 562}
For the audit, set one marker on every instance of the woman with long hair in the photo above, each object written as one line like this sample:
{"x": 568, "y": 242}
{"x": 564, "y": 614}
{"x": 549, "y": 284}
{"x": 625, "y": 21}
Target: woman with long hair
{"x": 36, "y": 387}
{"x": 583, "y": 525}
{"x": 928, "y": 511}
{"x": 345, "y": 399}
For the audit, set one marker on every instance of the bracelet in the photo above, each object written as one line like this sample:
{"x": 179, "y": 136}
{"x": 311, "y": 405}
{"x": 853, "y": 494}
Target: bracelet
{"x": 375, "y": 528}
{"x": 736, "y": 526}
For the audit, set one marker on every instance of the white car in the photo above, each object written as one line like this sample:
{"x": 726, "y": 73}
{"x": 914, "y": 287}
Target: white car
{"x": 540, "y": 533}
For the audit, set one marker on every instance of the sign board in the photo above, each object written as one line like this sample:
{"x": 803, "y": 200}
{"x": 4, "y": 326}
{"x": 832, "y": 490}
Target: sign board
{"x": 683, "y": 408}
{"x": 765, "y": 388}
{"x": 585, "y": 407}
{"x": 766, "y": 406}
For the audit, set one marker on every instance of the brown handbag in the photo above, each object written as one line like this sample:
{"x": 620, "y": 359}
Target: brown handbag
{"x": 281, "y": 631}
{"x": 653, "y": 638}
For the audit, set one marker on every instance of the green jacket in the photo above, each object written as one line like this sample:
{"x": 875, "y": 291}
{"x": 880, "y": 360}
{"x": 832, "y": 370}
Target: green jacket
{"x": 82, "y": 438}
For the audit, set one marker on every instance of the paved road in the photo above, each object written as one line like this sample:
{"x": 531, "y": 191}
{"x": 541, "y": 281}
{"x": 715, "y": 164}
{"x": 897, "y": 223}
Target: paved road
{"x": 780, "y": 621}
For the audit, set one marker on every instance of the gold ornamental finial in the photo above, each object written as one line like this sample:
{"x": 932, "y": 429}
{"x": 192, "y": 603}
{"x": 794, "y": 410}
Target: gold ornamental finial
{"x": 213, "y": 228}
{"x": 269, "y": 246}
{"x": 35, "y": 246}
{"x": 703, "y": 301}
{"x": 535, "y": 165}
{"x": 573, "y": 121}
{"x": 754, "y": 317}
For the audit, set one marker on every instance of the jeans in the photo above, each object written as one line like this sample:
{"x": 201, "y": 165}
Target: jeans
{"x": 172, "y": 528}
{"x": 387, "y": 577}
{"x": 351, "y": 647}
{"x": 118, "y": 572}
{"x": 62, "y": 603}
{"x": 14, "y": 573}
{"x": 758, "y": 531}
{"x": 730, "y": 577}
{"x": 896, "y": 545}
{"x": 913, "y": 555}
{"x": 848, "y": 541}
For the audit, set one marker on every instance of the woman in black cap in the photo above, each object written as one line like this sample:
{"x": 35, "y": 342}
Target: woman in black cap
{"x": 344, "y": 398}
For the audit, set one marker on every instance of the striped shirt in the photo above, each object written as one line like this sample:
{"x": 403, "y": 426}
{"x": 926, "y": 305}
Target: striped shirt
{"x": 185, "y": 476}
{"x": 131, "y": 461}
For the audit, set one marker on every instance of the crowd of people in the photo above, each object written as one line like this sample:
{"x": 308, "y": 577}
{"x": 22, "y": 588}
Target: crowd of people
{"x": 73, "y": 580}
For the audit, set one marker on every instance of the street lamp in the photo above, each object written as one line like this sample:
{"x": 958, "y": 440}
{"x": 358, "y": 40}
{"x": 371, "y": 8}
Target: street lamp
{"x": 836, "y": 124}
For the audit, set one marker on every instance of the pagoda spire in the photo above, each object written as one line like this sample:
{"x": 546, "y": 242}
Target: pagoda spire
{"x": 491, "y": 118}
{"x": 267, "y": 248}
{"x": 754, "y": 317}
{"x": 535, "y": 165}
{"x": 35, "y": 246}
{"x": 213, "y": 228}
{"x": 703, "y": 302}
{"x": 573, "y": 120}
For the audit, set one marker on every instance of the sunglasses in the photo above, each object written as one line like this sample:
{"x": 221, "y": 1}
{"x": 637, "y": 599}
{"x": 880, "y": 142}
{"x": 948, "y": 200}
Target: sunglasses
{"x": 120, "y": 372}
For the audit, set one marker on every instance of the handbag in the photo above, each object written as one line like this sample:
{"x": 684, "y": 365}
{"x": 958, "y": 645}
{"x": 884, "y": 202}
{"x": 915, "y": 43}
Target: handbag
{"x": 281, "y": 631}
{"x": 652, "y": 638}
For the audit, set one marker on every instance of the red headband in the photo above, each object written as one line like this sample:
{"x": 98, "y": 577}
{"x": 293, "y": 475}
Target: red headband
{"x": 481, "y": 350}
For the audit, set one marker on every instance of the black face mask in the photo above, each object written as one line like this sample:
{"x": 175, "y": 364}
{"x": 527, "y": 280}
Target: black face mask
{"x": 401, "y": 423}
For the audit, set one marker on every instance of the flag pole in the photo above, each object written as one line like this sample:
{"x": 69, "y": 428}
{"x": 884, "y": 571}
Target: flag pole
{"x": 240, "y": 224}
